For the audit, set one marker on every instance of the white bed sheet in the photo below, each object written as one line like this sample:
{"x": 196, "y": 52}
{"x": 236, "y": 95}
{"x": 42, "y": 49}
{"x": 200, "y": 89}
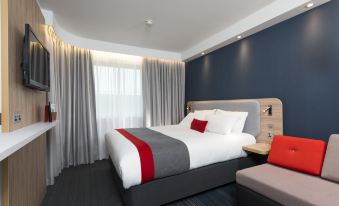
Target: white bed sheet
{"x": 204, "y": 149}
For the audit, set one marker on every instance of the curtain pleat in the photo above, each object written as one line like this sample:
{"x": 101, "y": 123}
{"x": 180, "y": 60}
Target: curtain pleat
{"x": 163, "y": 86}
{"x": 74, "y": 141}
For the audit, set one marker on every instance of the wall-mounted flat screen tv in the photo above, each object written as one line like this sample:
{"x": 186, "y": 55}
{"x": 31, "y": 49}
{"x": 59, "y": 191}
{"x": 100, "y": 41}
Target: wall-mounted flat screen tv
{"x": 35, "y": 62}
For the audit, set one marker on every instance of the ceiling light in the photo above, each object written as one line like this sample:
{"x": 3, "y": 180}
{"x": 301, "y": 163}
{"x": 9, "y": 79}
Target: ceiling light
{"x": 309, "y": 5}
{"x": 149, "y": 22}
{"x": 239, "y": 37}
{"x": 202, "y": 53}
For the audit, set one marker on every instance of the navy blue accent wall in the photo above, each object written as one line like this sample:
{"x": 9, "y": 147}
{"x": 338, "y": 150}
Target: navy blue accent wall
{"x": 296, "y": 61}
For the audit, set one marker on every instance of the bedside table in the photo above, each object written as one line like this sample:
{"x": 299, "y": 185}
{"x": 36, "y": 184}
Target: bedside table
{"x": 258, "y": 152}
{"x": 259, "y": 148}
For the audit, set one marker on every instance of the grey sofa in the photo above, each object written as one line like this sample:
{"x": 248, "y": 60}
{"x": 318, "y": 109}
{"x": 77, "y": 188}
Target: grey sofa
{"x": 272, "y": 185}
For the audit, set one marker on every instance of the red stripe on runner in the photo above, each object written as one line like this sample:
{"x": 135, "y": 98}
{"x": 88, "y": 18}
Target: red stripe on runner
{"x": 145, "y": 155}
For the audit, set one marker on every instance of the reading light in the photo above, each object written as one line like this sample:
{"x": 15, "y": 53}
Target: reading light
{"x": 239, "y": 37}
{"x": 202, "y": 53}
{"x": 309, "y": 5}
{"x": 188, "y": 109}
{"x": 268, "y": 109}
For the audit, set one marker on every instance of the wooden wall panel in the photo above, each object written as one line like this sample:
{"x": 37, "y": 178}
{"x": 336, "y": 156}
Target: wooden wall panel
{"x": 20, "y": 99}
{"x": 24, "y": 176}
{"x": 4, "y": 65}
{"x": 24, "y": 172}
{"x": 272, "y": 125}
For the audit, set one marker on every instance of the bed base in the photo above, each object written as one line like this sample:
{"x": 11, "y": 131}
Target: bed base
{"x": 169, "y": 189}
{"x": 247, "y": 197}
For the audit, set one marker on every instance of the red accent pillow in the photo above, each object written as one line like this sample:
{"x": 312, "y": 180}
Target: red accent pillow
{"x": 300, "y": 154}
{"x": 199, "y": 125}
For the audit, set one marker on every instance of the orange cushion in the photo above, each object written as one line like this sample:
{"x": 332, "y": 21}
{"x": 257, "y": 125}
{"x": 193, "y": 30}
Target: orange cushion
{"x": 300, "y": 154}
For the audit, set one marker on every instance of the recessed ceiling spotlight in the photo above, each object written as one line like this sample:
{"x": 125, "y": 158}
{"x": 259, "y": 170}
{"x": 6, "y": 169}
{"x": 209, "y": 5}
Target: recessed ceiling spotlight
{"x": 239, "y": 36}
{"x": 309, "y": 5}
{"x": 202, "y": 53}
{"x": 149, "y": 22}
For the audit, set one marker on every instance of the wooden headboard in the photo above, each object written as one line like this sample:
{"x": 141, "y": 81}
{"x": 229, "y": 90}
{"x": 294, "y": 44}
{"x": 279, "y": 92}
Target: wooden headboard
{"x": 270, "y": 124}
{"x": 268, "y": 112}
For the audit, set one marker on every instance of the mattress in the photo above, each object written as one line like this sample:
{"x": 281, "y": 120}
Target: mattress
{"x": 203, "y": 148}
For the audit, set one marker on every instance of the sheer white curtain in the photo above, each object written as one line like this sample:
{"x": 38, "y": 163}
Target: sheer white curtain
{"x": 118, "y": 93}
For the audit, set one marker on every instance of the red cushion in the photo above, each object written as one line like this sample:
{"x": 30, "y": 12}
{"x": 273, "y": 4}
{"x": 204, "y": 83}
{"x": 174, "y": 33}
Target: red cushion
{"x": 199, "y": 125}
{"x": 300, "y": 154}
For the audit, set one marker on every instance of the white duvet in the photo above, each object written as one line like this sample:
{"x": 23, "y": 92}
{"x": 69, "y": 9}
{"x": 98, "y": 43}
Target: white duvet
{"x": 204, "y": 149}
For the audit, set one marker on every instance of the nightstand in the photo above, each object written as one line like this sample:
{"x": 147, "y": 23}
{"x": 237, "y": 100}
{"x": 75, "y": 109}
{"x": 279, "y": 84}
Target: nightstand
{"x": 258, "y": 152}
{"x": 258, "y": 148}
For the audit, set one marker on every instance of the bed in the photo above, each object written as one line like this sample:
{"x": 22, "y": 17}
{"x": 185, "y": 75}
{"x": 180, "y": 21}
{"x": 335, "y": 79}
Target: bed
{"x": 184, "y": 161}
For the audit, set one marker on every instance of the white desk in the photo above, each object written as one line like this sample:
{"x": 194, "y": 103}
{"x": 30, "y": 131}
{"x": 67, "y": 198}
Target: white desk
{"x": 13, "y": 141}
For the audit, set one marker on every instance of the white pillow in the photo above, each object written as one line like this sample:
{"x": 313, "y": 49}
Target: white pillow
{"x": 201, "y": 114}
{"x": 240, "y": 124}
{"x": 198, "y": 114}
{"x": 187, "y": 121}
{"x": 220, "y": 123}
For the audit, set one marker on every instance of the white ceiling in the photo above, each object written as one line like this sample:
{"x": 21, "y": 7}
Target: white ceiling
{"x": 180, "y": 26}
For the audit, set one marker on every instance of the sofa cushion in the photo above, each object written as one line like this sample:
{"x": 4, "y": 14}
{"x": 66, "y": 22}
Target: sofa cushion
{"x": 331, "y": 164}
{"x": 289, "y": 187}
{"x": 300, "y": 154}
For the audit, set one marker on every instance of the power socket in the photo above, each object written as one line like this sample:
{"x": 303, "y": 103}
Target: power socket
{"x": 270, "y": 134}
{"x": 17, "y": 117}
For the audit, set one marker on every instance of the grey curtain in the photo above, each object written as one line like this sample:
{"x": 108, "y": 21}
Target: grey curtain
{"x": 74, "y": 141}
{"x": 163, "y": 86}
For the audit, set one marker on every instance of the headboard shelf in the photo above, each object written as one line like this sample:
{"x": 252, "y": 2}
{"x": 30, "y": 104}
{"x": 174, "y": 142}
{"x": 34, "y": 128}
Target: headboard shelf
{"x": 265, "y": 117}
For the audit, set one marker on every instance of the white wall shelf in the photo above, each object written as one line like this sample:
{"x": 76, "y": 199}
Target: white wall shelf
{"x": 13, "y": 141}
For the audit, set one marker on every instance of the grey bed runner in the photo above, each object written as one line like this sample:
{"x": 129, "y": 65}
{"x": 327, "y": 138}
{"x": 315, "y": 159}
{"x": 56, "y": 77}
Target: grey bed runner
{"x": 170, "y": 155}
{"x": 160, "y": 155}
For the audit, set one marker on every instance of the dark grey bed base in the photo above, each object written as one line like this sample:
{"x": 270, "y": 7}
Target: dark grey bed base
{"x": 169, "y": 189}
{"x": 247, "y": 197}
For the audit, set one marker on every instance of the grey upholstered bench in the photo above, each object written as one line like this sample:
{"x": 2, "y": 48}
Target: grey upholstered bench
{"x": 272, "y": 185}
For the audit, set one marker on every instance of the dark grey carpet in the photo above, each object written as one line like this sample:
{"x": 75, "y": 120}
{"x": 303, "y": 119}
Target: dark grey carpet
{"x": 93, "y": 185}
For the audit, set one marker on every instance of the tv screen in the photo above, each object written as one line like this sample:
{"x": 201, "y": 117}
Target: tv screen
{"x": 35, "y": 62}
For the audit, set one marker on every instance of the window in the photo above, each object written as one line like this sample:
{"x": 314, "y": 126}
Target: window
{"x": 118, "y": 92}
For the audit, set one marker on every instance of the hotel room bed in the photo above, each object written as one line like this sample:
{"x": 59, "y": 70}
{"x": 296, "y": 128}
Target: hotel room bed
{"x": 186, "y": 162}
{"x": 199, "y": 149}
